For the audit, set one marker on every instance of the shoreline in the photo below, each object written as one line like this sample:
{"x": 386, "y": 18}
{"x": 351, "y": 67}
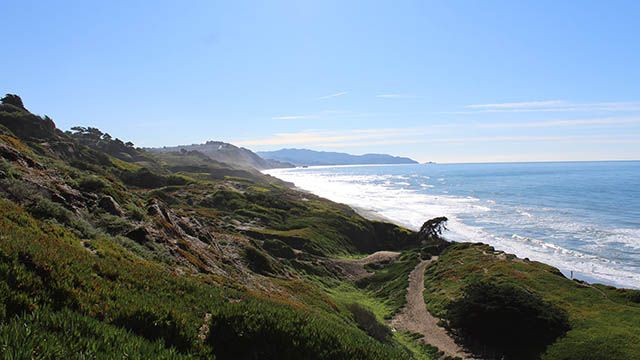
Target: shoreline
{"x": 456, "y": 236}
{"x": 588, "y": 278}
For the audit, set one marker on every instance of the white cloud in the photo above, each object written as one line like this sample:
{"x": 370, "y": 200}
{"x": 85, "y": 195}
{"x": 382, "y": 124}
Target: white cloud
{"x": 422, "y": 135}
{"x": 609, "y": 121}
{"x": 369, "y": 143}
{"x": 327, "y": 114}
{"x": 519, "y": 105}
{"x": 333, "y": 95}
{"x": 357, "y": 137}
{"x": 619, "y": 139}
{"x": 549, "y": 106}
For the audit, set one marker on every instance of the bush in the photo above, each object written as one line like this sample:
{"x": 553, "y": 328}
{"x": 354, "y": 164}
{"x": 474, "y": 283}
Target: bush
{"x": 135, "y": 212}
{"x": 43, "y": 208}
{"x": 12, "y": 99}
{"x": 367, "y": 321}
{"x": 6, "y": 170}
{"x": 19, "y": 190}
{"x": 263, "y": 330}
{"x": 278, "y": 248}
{"x": 92, "y": 183}
{"x": 155, "y": 325}
{"x": 47, "y": 334}
{"x": 505, "y": 321}
{"x": 258, "y": 261}
{"x": 145, "y": 178}
{"x": 225, "y": 200}
{"x": 113, "y": 224}
{"x": 12, "y": 302}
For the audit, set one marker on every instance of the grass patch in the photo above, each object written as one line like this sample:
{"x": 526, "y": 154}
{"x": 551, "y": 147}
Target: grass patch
{"x": 604, "y": 325}
{"x": 389, "y": 283}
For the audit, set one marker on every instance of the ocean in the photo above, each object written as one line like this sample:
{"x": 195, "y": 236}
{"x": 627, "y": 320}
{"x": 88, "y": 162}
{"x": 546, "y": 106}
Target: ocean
{"x": 578, "y": 216}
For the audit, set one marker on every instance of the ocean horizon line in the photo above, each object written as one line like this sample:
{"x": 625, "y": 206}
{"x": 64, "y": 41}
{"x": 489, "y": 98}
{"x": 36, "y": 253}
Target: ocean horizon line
{"x": 457, "y": 163}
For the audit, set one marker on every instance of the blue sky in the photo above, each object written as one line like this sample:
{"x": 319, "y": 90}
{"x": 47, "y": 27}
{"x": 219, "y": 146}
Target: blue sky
{"x": 448, "y": 81}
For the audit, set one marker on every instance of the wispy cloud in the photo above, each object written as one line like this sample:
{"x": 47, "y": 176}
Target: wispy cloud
{"x": 590, "y": 139}
{"x": 323, "y": 138}
{"x": 518, "y": 105}
{"x": 441, "y": 134}
{"x": 396, "y": 96}
{"x": 326, "y": 115}
{"x": 609, "y": 121}
{"x": 341, "y": 93}
{"x": 550, "y": 106}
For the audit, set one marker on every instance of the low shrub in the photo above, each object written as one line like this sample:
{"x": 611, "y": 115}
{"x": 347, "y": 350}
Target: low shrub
{"x": 6, "y": 170}
{"x": 367, "y": 321}
{"x": 113, "y": 224}
{"x": 504, "y": 321}
{"x": 259, "y": 261}
{"x": 135, "y": 212}
{"x": 278, "y": 248}
{"x": 390, "y": 282}
{"x": 263, "y": 330}
{"x": 43, "y": 208}
{"x": 48, "y": 334}
{"x": 145, "y": 178}
{"x": 224, "y": 200}
{"x": 92, "y": 183}
{"x": 157, "y": 325}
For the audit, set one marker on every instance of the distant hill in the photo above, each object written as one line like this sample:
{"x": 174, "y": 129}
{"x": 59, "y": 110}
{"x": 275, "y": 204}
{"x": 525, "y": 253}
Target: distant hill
{"x": 227, "y": 153}
{"x": 178, "y": 256}
{"x": 305, "y": 157}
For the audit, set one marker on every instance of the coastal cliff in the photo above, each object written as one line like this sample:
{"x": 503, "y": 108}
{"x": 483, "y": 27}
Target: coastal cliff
{"x": 111, "y": 250}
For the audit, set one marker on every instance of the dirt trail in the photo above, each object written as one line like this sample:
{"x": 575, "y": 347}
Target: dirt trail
{"x": 353, "y": 269}
{"x": 415, "y": 318}
{"x": 377, "y": 257}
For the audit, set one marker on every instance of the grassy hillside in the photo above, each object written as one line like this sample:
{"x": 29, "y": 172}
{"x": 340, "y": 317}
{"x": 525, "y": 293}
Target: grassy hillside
{"x": 226, "y": 153}
{"x": 109, "y": 251}
{"x": 604, "y": 321}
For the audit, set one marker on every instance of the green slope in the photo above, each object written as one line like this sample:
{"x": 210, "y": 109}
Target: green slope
{"x": 109, "y": 251}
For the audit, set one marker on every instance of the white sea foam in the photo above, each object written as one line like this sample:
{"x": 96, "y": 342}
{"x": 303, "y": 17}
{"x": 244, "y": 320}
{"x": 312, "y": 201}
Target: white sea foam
{"x": 389, "y": 196}
{"x": 524, "y": 213}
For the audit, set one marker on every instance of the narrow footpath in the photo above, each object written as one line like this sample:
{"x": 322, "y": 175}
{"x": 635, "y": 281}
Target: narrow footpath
{"x": 415, "y": 318}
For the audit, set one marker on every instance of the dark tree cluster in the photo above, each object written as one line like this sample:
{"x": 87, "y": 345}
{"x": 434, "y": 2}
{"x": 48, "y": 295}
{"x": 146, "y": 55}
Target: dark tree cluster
{"x": 96, "y": 139}
{"x": 433, "y": 228}
{"x": 13, "y": 99}
{"x": 24, "y": 124}
{"x": 430, "y": 237}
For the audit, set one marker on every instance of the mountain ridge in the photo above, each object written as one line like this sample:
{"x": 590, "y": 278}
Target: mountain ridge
{"x": 111, "y": 251}
{"x": 307, "y": 157}
{"x": 227, "y": 153}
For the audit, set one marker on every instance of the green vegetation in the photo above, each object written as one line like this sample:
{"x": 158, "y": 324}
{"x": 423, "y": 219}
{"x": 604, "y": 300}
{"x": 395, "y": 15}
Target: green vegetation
{"x": 505, "y": 321}
{"x": 45, "y": 268}
{"x": 603, "y": 320}
{"x": 108, "y": 251}
{"x": 390, "y": 282}
{"x": 262, "y": 331}
{"x": 367, "y": 321}
{"x": 347, "y": 295}
{"x": 47, "y": 334}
